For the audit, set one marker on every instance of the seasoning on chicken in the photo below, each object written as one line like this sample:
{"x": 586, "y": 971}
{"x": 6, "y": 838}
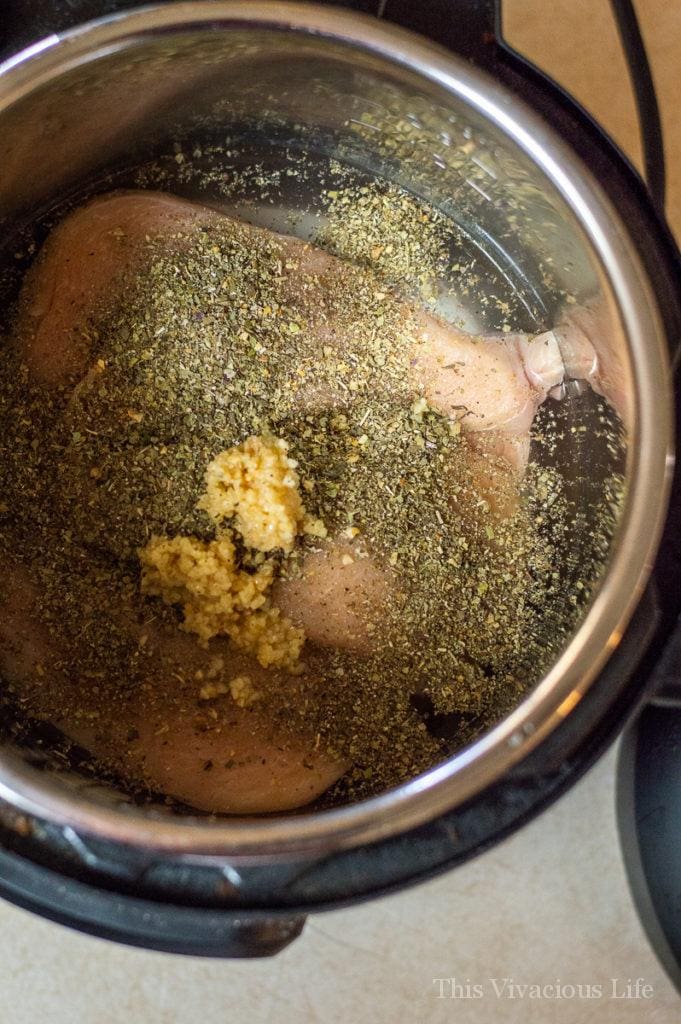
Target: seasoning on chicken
{"x": 154, "y": 334}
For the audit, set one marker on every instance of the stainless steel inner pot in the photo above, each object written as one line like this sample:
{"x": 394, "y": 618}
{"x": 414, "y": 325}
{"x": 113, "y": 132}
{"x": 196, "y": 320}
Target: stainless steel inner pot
{"x": 112, "y": 93}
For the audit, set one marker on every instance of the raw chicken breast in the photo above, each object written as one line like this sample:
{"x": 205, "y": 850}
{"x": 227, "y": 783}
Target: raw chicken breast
{"x": 338, "y": 597}
{"x": 236, "y": 764}
{"x": 489, "y": 383}
{"x": 89, "y": 256}
{"x": 591, "y": 350}
{"x": 492, "y": 385}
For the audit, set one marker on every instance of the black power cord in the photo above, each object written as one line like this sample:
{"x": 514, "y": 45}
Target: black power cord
{"x": 650, "y": 124}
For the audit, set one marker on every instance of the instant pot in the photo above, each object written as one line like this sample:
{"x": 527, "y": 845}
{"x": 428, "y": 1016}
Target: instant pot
{"x": 462, "y": 120}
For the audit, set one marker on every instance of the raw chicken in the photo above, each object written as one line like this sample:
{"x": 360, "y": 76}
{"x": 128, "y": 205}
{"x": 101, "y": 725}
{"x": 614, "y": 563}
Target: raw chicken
{"x": 91, "y": 254}
{"x": 492, "y": 385}
{"x": 591, "y": 350}
{"x": 338, "y": 597}
{"x": 238, "y": 764}
{"x": 487, "y": 383}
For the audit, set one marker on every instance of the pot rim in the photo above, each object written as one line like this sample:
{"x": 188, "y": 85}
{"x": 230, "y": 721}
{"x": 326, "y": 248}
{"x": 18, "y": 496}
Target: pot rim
{"x": 650, "y": 458}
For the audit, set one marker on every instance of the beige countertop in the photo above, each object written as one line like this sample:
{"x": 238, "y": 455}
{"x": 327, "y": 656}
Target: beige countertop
{"x": 577, "y": 42}
{"x": 550, "y": 904}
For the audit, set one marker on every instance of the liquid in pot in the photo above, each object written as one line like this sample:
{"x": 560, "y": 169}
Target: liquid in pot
{"x": 465, "y": 488}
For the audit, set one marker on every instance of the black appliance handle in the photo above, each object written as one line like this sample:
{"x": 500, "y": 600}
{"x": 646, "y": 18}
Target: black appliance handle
{"x": 125, "y": 917}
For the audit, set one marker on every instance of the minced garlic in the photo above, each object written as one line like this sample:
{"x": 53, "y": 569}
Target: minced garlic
{"x": 243, "y": 692}
{"x": 218, "y": 598}
{"x": 241, "y": 689}
{"x": 257, "y": 484}
{"x": 212, "y": 690}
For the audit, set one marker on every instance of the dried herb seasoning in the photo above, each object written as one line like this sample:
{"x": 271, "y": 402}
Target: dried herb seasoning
{"x": 220, "y": 335}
